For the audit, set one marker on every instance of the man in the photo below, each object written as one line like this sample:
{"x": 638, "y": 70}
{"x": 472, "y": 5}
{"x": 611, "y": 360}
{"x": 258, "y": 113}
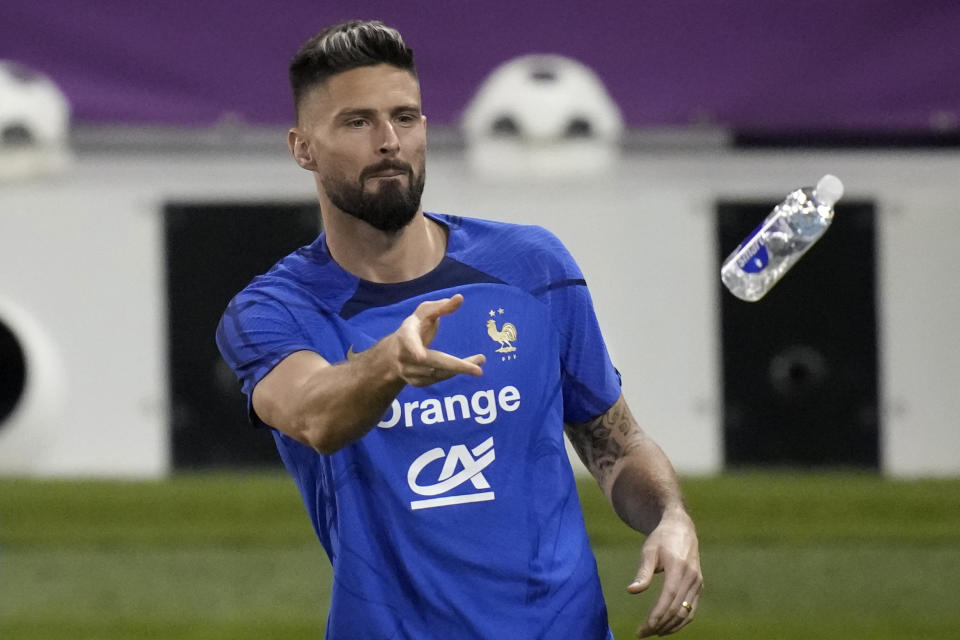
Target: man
{"x": 418, "y": 371}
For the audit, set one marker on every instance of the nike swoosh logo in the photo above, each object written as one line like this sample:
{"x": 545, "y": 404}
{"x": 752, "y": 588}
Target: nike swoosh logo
{"x": 351, "y": 354}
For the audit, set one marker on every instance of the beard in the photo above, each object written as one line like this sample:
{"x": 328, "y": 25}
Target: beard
{"x": 390, "y": 207}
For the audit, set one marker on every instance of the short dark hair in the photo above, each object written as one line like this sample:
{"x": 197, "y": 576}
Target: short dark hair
{"x": 345, "y": 46}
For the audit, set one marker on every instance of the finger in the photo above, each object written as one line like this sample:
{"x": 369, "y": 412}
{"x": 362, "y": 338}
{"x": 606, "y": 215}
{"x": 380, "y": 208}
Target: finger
{"x": 433, "y": 309}
{"x": 439, "y": 366}
{"x": 412, "y": 347}
{"x": 681, "y": 619}
{"x": 418, "y": 379}
{"x": 665, "y": 609}
{"x": 449, "y": 365}
{"x": 477, "y": 359}
{"x": 686, "y": 615}
{"x": 648, "y": 566}
{"x": 685, "y": 588}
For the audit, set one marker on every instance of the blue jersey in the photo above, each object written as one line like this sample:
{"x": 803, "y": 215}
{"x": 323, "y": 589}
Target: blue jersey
{"x": 457, "y": 515}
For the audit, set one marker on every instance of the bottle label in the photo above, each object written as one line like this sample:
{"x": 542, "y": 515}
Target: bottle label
{"x": 756, "y": 258}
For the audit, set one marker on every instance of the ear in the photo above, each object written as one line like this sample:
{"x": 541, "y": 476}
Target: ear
{"x": 300, "y": 150}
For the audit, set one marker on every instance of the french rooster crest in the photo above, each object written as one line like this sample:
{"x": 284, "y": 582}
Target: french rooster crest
{"x": 504, "y": 335}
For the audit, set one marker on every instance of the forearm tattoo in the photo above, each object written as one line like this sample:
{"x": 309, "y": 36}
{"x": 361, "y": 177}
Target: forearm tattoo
{"x": 603, "y": 441}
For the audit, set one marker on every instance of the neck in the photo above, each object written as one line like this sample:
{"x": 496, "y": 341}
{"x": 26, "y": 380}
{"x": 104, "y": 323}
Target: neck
{"x": 374, "y": 255}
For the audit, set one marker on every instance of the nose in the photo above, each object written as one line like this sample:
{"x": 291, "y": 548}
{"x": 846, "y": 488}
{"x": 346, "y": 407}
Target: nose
{"x": 390, "y": 143}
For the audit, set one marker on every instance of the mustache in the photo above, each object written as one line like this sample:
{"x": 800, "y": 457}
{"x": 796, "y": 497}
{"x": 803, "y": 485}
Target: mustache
{"x": 386, "y": 165}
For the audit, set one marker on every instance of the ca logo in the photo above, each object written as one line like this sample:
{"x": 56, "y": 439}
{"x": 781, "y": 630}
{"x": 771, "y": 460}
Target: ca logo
{"x": 472, "y": 462}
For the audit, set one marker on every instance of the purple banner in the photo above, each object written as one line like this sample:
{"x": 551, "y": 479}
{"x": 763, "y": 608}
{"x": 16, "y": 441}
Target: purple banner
{"x": 804, "y": 64}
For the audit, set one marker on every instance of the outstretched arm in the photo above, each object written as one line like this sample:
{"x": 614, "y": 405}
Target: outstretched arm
{"x": 643, "y": 490}
{"x": 328, "y": 406}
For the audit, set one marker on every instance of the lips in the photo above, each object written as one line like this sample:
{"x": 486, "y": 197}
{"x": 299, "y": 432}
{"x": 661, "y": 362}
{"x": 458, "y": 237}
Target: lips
{"x": 388, "y": 171}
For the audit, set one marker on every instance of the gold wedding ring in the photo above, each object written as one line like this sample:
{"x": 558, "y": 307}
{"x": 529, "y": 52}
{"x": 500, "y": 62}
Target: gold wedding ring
{"x": 686, "y": 605}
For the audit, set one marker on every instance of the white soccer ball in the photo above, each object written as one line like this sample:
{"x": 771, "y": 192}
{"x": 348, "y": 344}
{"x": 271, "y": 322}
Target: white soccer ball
{"x": 545, "y": 116}
{"x": 34, "y": 122}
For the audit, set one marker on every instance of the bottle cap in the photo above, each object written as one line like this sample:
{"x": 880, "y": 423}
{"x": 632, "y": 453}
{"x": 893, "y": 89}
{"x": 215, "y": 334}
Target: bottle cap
{"x": 828, "y": 190}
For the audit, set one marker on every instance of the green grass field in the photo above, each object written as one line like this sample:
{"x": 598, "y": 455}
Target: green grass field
{"x": 218, "y": 556}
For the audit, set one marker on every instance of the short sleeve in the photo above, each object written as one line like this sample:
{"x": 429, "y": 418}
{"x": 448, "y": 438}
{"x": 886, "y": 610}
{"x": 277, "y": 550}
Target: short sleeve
{"x": 255, "y": 333}
{"x": 590, "y": 382}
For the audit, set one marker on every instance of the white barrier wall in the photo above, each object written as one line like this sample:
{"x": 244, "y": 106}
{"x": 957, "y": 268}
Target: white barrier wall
{"x": 80, "y": 263}
{"x": 80, "y": 288}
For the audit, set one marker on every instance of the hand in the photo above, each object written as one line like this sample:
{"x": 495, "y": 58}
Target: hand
{"x": 419, "y": 366}
{"x": 673, "y": 549}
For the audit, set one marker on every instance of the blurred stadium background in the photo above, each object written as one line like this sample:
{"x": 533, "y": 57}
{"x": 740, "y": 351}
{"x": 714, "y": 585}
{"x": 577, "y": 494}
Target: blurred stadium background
{"x": 146, "y": 180}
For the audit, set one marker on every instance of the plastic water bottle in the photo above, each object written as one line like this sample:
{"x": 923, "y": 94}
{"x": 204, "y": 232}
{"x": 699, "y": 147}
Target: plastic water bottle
{"x": 781, "y": 239}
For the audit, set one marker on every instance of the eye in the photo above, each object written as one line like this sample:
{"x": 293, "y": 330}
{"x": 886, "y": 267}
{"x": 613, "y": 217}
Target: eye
{"x": 357, "y": 123}
{"x": 407, "y": 119}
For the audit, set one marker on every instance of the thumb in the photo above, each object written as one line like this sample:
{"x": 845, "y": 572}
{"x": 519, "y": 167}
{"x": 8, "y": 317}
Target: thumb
{"x": 433, "y": 309}
{"x": 648, "y": 566}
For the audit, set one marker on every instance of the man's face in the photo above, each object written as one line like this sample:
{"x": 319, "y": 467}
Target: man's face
{"x": 367, "y": 136}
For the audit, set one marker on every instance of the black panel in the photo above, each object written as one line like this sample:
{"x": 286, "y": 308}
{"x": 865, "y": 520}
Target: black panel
{"x": 13, "y": 372}
{"x": 849, "y": 139}
{"x": 800, "y": 365}
{"x": 212, "y": 252}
